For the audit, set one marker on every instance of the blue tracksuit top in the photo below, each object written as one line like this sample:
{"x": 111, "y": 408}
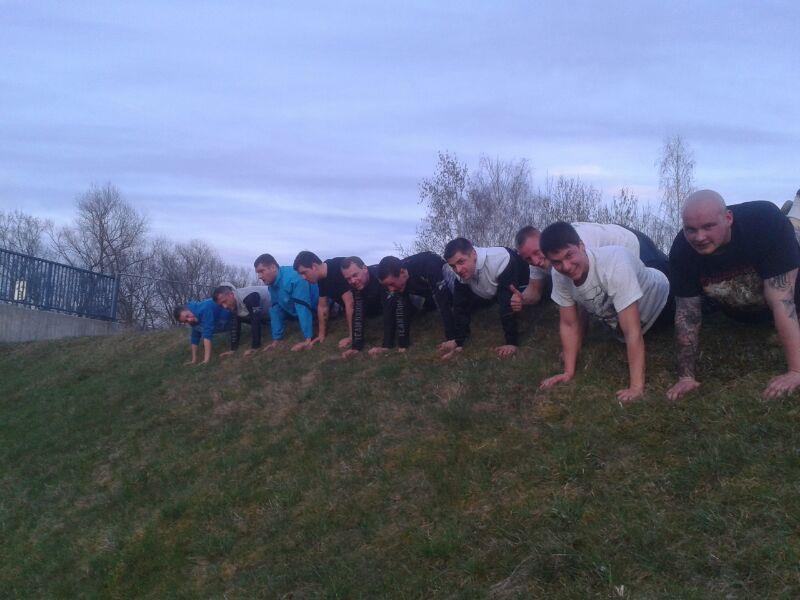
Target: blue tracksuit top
{"x": 294, "y": 297}
{"x": 211, "y": 318}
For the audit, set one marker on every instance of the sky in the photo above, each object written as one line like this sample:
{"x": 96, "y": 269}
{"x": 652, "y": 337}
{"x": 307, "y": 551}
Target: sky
{"x": 280, "y": 126}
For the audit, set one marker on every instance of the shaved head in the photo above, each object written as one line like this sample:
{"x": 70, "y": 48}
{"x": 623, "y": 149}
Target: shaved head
{"x": 705, "y": 200}
{"x": 706, "y": 222}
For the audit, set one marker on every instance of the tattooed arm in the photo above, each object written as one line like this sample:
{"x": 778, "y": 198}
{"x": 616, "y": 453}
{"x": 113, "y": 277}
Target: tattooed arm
{"x": 779, "y": 293}
{"x": 688, "y": 317}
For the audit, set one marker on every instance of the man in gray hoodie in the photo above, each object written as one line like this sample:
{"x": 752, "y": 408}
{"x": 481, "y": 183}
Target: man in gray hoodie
{"x": 248, "y": 304}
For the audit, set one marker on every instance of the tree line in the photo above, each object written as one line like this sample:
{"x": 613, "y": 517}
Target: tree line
{"x": 490, "y": 205}
{"x": 108, "y": 235}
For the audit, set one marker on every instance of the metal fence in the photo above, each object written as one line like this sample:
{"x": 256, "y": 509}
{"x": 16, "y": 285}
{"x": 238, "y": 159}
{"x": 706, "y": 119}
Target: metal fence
{"x": 48, "y": 285}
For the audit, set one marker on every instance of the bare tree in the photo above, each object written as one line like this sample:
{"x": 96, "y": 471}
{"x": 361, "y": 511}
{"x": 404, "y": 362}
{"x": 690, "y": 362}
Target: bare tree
{"x": 24, "y": 233}
{"x": 500, "y": 197}
{"x": 491, "y": 205}
{"x": 182, "y": 272}
{"x": 567, "y": 199}
{"x": 676, "y": 180}
{"x": 445, "y": 198}
{"x": 108, "y": 236}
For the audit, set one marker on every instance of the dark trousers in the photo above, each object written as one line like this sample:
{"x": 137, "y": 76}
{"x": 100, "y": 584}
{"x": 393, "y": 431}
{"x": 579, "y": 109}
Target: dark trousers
{"x": 649, "y": 253}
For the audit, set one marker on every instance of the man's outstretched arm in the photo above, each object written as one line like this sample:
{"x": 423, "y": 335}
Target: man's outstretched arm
{"x": 323, "y": 312}
{"x": 688, "y": 318}
{"x": 347, "y": 300}
{"x": 569, "y": 331}
{"x": 779, "y": 293}
{"x": 193, "y": 361}
{"x": 631, "y": 325}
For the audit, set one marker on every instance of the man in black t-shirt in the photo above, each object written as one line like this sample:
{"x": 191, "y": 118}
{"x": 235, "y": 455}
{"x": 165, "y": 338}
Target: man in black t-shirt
{"x": 744, "y": 258}
{"x": 421, "y": 281}
{"x": 332, "y": 287}
{"x": 368, "y": 298}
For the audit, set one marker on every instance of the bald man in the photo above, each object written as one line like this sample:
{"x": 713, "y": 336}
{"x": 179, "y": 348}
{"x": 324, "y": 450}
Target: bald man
{"x": 745, "y": 258}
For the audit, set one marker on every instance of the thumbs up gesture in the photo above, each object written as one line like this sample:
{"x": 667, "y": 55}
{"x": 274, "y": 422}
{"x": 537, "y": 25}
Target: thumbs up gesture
{"x": 516, "y": 298}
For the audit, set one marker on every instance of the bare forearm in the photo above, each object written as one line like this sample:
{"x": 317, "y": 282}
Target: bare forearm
{"x": 571, "y": 343}
{"x": 533, "y": 293}
{"x": 194, "y": 352}
{"x": 348, "y": 312}
{"x": 688, "y": 317}
{"x": 789, "y": 334}
{"x": 322, "y": 317}
{"x": 206, "y": 350}
{"x": 779, "y": 293}
{"x": 636, "y": 360}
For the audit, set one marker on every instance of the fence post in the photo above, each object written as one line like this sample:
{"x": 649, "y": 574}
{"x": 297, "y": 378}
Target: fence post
{"x": 114, "y": 295}
{"x": 48, "y": 287}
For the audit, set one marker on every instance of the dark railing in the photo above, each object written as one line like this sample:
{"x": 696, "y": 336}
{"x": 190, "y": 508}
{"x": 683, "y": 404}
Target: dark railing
{"x": 48, "y": 285}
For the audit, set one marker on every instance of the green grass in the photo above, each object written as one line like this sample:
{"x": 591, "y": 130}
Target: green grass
{"x": 125, "y": 474}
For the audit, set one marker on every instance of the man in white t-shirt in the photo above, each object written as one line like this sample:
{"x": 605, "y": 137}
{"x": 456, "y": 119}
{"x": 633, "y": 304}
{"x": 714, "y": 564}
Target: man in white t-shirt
{"x": 613, "y": 286}
{"x": 593, "y": 235}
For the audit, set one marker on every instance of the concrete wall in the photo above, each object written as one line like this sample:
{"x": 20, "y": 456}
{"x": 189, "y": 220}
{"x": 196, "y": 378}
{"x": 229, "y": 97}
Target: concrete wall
{"x": 21, "y": 324}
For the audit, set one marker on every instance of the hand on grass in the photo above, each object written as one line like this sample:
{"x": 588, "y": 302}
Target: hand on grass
{"x": 377, "y": 351}
{"x": 271, "y": 346}
{"x": 782, "y": 385}
{"x": 554, "y": 380}
{"x": 250, "y": 351}
{"x": 349, "y": 353}
{"x": 345, "y": 342}
{"x": 448, "y": 349}
{"x": 226, "y": 354}
{"x": 629, "y": 395}
{"x": 683, "y": 387}
{"x": 305, "y": 345}
{"x": 506, "y": 350}
{"x": 516, "y": 299}
{"x": 189, "y": 362}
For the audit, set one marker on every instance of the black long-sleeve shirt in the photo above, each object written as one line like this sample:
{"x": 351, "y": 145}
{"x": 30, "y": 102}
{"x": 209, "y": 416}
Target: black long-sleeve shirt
{"x": 368, "y": 302}
{"x": 514, "y": 272}
{"x": 426, "y": 278}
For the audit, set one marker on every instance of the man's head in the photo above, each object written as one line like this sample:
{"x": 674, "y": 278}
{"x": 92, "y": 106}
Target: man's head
{"x": 224, "y": 296}
{"x": 266, "y": 268}
{"x": 355, "y": 272}
{"x": 461, "y": 256}
{"x": 183, "y": 315}
{"x": 564, "y": 249}
{"x": 706, "y": 221}
{"x": 527, "y": 242}
{"x": 308, "y": 265}
{"x": 392, "y": 275}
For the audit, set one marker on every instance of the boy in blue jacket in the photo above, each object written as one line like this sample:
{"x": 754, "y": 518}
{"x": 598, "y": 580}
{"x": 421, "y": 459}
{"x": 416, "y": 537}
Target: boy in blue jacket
{"x": 205, "y": 318}
{"x": 292, "y": 298}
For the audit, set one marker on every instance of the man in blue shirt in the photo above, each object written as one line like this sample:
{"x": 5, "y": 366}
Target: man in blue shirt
{"x": 205, "y": 318}
{"x": 292, "y": 298}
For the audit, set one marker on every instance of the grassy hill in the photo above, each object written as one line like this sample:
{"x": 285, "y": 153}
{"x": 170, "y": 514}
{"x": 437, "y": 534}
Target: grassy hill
{"x": 125, "y": 474}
